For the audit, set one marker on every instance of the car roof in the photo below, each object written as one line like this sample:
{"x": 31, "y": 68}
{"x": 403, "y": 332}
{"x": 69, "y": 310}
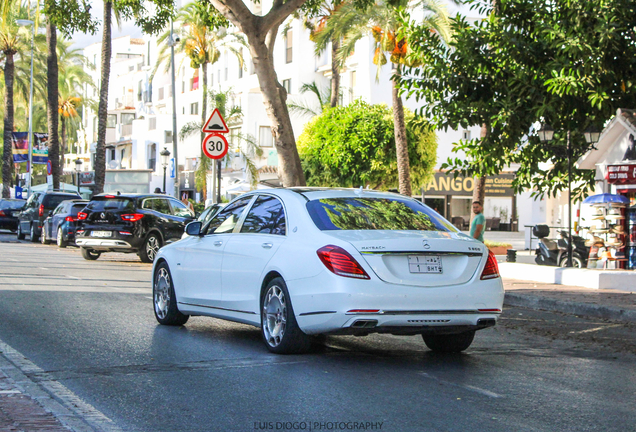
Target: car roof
{"x": 320, "y": 193}
{"x": 132, "y": 195}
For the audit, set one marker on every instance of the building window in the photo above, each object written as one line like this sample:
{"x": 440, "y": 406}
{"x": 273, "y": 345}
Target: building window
{"x": 466, "y": 135}
{"x": 288, "y": 46}
{"x": 169, "y": 90}
{"x": 287, "y": 85}
{"x": 139, "y": 90}
{"x": 111, "y": 122}
{"x": 211, "y": 79}
{"x": 152, "y": 156}
{"x": 194, "y": 108}
{"x": 152, "y": 123}
{"x": 265, "y": 138}
{"x": 160, "y": 97}
{"x": 182, "y": 86}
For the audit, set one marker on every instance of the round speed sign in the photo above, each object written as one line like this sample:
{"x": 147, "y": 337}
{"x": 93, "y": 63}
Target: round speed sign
{"x": 215, "y": 146}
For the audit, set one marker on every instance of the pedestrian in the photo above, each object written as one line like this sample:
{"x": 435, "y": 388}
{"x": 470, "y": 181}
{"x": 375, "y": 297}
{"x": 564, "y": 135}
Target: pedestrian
{"x": 157, "y": 190}
{"x": 186, "y": 201}
{"x": 478, "y": 223}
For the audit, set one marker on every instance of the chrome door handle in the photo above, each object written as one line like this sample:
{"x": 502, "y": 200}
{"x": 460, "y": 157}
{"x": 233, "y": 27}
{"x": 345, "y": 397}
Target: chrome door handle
{"x": 218, "y": 243}
{"x": 267, "y": 245}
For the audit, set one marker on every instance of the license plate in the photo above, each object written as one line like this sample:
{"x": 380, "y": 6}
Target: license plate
{"x": 101, "y": 234}
{"x": 425, "y": 264}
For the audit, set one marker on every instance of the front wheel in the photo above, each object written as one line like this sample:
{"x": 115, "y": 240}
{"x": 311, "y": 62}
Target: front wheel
{"x": 449, "y": 343}
{"x": 19, "y": 232}
{"x": 60, "y": 239}
{"x": 577, "y": 261}
{"x": 90, "y": 255}
{"x": 164, "y": 298}
{"x": 43, "y": 239}
{"x": 150, "y": 248}
{"x": 279, "y": 328}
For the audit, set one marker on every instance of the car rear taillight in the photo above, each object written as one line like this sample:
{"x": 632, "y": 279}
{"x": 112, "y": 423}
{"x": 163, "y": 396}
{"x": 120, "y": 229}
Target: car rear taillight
{"x": 41, "y": 212}
{"x": 109, "y": 196}
{"x": 338, "y": 261}
{"x": 70, "y": 219}
{"x": 132, "y": 217}
{"x": 79, "y": 232}
{"x": 82, "y": 216}
{"x": 125, "y": 233}
{"x": 491, "y": 270}
{"x": 2, "y": 213}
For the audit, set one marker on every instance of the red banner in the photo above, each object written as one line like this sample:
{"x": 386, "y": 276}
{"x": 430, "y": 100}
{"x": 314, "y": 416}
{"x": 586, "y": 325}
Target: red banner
{"x": 621, "y": 174}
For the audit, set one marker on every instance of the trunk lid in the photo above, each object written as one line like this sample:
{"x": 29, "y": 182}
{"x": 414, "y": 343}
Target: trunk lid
{"x": 417, "y": 258}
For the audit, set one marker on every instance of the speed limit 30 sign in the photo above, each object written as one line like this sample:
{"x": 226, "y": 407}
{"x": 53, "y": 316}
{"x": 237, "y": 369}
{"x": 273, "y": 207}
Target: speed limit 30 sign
{"x": 215, "y": 146}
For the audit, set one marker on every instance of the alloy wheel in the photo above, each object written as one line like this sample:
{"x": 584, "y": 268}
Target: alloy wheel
{"x": 152, "y": 247}
{"x": 274, "y": 315}
{"x": 162, "y": 293}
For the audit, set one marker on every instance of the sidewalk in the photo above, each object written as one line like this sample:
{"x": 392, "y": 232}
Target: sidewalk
{"x": 609, "y": 304}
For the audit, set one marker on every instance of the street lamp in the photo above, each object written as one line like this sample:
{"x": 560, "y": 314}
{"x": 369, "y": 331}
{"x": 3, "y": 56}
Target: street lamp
{"x": 592, "y": 134}
{"x": 78, "y": 168}
{"x": 26, "y": 23}
{"x": 165, "y": 154}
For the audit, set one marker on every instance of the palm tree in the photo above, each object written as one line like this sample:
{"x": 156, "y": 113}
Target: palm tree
{"x": 203, "y": 47}
{"x": 381, "y": 21}
{"x": 304, "y": 109}
{"x": 13, "y": 41}
{"x": 316, "y": 24}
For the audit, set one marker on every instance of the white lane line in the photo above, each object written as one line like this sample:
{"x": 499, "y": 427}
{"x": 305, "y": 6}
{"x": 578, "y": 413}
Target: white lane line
{"x": 72, "y": 277}
{"x": 65, "y": 405}
{"x": 481, "y": 391}
{"x": 596, "y": 329}
{"x": 149, "y": 298}
{"x": 43, "y": 268}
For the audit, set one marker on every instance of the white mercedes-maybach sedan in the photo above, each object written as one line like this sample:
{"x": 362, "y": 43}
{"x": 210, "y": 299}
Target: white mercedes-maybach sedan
{"x": 301, "y": 262}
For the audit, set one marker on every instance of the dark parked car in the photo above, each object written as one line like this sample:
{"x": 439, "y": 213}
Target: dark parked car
{"x": 60, "y": 226}
{"x": 130, "y": 223}
{"x": 9, "y": 209}
{"x": 37, "y": 209}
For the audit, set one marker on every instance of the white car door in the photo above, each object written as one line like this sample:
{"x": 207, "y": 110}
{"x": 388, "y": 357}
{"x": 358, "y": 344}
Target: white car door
{"x": 201, "y": 257}
{"x": 248, "y": 252}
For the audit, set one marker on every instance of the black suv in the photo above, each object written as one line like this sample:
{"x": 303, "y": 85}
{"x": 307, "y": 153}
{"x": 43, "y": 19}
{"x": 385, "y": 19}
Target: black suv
{"x": 130, "y": 223}
{"x": 36, "y": 209}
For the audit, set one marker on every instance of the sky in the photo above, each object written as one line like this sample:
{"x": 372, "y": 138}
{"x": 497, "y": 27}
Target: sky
{"x": 82, "y": 40}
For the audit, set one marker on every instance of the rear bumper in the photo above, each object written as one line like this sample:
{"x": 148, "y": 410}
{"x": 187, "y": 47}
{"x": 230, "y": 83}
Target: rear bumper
{"x": 10, "y": 224}
{"x": 104, "y": 244}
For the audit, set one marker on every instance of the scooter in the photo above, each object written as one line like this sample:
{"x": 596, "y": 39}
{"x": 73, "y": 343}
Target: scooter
{"x": 555, "y": 252}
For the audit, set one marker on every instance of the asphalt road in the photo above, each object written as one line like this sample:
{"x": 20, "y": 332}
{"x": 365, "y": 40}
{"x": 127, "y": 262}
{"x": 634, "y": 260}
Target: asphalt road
{"x": 85, "y": 331}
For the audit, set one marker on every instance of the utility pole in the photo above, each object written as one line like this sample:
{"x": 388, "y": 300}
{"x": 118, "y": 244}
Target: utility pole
{"x": 174, "y": 117}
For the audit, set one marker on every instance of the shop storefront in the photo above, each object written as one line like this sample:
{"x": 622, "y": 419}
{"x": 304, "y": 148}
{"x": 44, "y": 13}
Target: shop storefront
{"x": 614, "y": 159}
{"x": 452, "y": 197}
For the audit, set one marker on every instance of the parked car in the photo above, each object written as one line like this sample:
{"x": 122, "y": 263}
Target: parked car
{"x": 300, "y": 262}
{"x": 207, "y": 214}
{"x": 60, "y": 226}
{"x": 37, "y": 209}
{"x": 9, "y": 209}
{"x": 130, "y": 223}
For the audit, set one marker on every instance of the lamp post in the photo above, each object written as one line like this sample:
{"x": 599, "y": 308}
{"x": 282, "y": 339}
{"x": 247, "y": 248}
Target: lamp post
{"x": 78, "y": 168}
{"x": 26, "y": 23}
{"x": 546, "y": 133}
{"x": 165, "y": 154}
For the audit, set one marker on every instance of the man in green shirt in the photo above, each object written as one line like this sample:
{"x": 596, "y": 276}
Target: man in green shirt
{"x": 478, "y": 223}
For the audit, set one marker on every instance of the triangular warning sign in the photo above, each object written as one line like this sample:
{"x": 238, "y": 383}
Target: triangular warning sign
{"x": 215, "y": 123}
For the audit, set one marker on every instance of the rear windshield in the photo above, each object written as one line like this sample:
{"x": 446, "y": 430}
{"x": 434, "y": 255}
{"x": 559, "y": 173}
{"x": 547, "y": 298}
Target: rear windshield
{"x": 52, "y": 201}
{"x": 374, "y": 214}
{"x": 11, "y": 205}
{"x": 111, "y": 204}
{"x": 77, "y": 208}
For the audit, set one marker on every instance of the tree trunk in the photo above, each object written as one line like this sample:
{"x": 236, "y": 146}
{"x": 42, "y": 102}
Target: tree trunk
{"x": 7, "y": 154}
{"x": 274, "y": 98}
{"x": 205, "y": 161}
{"x": 102, "y": 111}
{"x": 401, "y": 143}
{"x": 479, "y": 190}
{"x": 62, "y": 141}
{"x": 335, "y": 72}
{"x": 52, "y": 103}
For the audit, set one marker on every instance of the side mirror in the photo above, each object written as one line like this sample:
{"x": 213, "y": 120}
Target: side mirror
{"x": 194, "y": 228}
{"x": 51, "y": 213}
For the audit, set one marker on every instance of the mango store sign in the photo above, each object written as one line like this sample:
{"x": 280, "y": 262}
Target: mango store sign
{"x": 446, "y": 184}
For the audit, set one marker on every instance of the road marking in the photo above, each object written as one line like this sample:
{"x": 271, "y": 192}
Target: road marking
{"x": 10, "y": 391}
{"x": 596, "y": 329}
{"x": 43, "y": 268}
{"x": 481, "y": 391}
{"x": 72, "y": 277}
{"x": 65, "y": 405}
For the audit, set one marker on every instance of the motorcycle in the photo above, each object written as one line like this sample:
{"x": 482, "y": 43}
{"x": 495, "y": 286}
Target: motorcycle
{"x": 555, "y": 252}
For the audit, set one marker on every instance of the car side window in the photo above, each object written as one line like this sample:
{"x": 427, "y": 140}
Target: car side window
{"x": 147, "y": 204}
{"x": 226, "y": 219}
{"x": 59, "y": 209}
{"x": 162, "y": 206}
{"x": 179, "y": 209}
{"x": 266, "y": 216}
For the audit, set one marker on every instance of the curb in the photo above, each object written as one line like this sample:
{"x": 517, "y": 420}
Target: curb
{"x": 568, "y": 307}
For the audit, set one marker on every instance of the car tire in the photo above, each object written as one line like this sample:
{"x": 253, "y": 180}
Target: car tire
{"x": 43, "y": 239}
{"x": 279, "y": 328}
{"x": 19, "y": 232}
{"x": 34, "y": 237}
{"x": 60, "y": 239}
{"x": 90, "y": 255}
{"x": 449, "y": 343}
{"x": 150, "y": 248}
{"x": 577, "y": 261}
{"x": 164, "y": 299}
